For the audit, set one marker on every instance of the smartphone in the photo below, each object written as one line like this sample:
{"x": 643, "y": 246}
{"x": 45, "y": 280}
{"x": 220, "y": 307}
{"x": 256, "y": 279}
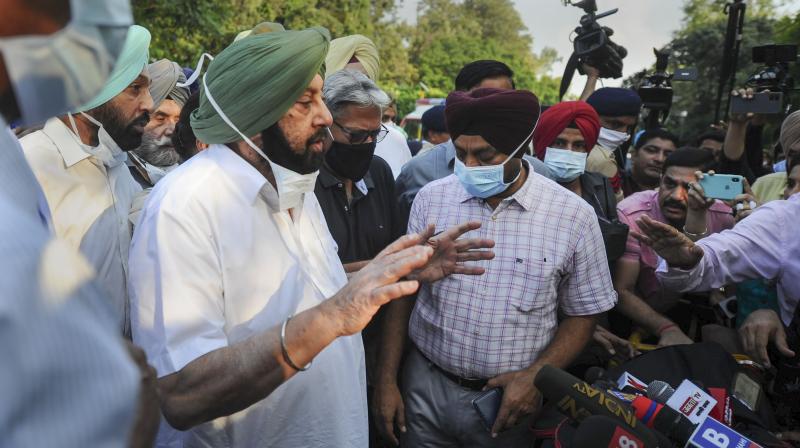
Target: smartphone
{"x": 487, "y": 404}
{"x": 722, "y": 186}
{"x": 761, "y": 103}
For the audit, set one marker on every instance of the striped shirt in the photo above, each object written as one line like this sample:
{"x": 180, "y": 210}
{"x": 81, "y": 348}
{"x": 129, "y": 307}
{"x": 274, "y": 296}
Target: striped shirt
{"x": 549, "y": 255}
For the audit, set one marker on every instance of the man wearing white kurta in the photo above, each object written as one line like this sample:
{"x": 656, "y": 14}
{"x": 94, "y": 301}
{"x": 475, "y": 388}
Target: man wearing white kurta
{"x": 79, "y": 160}
{"x": 233, "y": 245}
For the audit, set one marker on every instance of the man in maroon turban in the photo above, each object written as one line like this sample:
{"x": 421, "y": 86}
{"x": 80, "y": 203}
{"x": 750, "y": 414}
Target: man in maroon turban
{"x": 469, "y": 336}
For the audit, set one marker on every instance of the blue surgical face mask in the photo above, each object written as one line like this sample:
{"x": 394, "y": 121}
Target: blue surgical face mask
{"x": 485, "y": 181}
{"x": 565, "y": 165}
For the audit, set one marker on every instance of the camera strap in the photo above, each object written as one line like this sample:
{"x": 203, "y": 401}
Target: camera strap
{"x": 569, "y": 72}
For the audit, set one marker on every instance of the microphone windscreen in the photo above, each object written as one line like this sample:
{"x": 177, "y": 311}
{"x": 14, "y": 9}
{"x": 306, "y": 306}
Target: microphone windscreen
{"x": 659, "y": 391}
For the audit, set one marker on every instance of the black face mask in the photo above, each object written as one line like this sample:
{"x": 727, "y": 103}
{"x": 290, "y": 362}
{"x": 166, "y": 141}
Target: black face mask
{"x": 350, "y": 161}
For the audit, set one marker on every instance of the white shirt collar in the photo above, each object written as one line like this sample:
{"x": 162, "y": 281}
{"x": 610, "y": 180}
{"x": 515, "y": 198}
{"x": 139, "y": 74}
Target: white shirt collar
{"x": 66, "y": 142}
{"x": 249, "y": 180}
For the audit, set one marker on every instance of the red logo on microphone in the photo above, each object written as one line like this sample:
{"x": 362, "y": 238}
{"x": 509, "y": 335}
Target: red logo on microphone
{"x": 624, "y": 439}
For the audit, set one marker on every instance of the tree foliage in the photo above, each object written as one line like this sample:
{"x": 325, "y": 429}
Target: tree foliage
{"x": 448, "y": 34}
{"x": 698, "y": 44}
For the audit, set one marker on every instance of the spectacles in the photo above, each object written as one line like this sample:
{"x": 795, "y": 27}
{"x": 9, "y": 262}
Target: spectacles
{"x": 357, "y": 136}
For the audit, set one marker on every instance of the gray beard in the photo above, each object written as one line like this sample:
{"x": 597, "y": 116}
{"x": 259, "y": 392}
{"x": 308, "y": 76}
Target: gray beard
{"x": 157, "y": 152}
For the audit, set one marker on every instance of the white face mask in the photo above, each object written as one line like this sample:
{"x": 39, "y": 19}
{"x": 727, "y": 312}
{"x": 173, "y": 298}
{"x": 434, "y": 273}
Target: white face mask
{"x": 565, "y": 165}
{"x": 57, "y": 73}
{"x": 611, "y": 139}
{"x": 107, "y": 150}
{"x": 292, "y": 186}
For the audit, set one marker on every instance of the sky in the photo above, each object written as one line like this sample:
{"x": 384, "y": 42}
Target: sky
{"x": 639, "y": 26}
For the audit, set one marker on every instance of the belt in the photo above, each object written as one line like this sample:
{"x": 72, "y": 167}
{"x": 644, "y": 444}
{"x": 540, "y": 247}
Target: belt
{"x": 467, "y": 383}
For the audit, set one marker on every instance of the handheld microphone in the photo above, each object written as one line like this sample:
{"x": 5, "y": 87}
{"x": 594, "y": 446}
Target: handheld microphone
{"x": 599, "y": 431}
{"x": 579, "y": 401}
{"x": 663, "y": 419}
{"x": 688, "y": 399}
{"x": 709, "y": 433}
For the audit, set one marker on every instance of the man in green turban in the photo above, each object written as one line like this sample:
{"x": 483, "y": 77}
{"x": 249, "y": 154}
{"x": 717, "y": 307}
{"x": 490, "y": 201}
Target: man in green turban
{"x": 79, "y": 159}
{"x": 235, "y": 280}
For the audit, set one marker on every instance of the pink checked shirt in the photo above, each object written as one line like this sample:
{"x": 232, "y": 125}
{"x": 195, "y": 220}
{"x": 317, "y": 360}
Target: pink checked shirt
{"x": 549, "y": 254}
{"x": 643, "y": 203}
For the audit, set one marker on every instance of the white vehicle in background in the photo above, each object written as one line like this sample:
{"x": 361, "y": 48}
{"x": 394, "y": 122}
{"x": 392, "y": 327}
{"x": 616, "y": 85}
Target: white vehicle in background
{"x": 412, "y": 122}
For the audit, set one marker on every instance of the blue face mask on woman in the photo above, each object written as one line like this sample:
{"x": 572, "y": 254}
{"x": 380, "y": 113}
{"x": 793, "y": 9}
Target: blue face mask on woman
{"x": 485, "y": 181}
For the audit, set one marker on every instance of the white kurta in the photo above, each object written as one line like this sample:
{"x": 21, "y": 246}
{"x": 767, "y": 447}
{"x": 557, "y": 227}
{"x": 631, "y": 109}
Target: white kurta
{"x": 213, "y": 262}
{"x": 89, "y": 202}
{"x": 394, "y": 150}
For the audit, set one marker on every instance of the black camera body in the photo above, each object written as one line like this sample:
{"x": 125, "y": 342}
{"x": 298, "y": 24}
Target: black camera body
{"x": 592, "y": 44}
{"x": 655, "y": 89}
{"x": 774, "y": 74}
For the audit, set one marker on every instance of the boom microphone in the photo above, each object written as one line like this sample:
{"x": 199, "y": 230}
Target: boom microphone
{"x": 579, "y": 401}
{"x": 599, "y": 431}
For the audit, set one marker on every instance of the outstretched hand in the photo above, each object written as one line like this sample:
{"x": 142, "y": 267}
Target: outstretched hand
{"x": 670, "y": 244}
{"x": 450, "y": 253}
{"x": 380, "y": 282}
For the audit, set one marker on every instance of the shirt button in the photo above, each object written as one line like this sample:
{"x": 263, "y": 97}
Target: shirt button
{"x": 494, "y": 217}
{"x": 476, "y": 333}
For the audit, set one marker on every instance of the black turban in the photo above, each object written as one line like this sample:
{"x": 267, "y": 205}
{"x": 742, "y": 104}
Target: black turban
{"x": 473, "y": 73}
{"x": 504, "y": 118}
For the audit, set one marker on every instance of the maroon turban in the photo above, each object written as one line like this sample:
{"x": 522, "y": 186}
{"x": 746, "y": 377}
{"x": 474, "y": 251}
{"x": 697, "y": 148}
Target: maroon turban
{"x": 504, "y": 118}
{"x": 557, "y": 117}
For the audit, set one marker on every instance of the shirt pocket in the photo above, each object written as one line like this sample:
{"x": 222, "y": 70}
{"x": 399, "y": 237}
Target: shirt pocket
{"x": 533, "y": 284}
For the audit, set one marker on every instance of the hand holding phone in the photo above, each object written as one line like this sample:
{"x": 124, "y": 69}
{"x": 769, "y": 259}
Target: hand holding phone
{"x": 487, "y": 404}
{"x": 722, "y": 186}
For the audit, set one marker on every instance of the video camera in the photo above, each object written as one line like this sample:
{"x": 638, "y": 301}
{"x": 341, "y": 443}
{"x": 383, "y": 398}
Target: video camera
{"x": 592, "y": 45}
{"x": 772, "y": 82}
{"x": 655, "y": 89}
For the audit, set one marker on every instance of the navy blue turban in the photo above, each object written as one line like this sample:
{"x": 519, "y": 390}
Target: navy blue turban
{"x": 433, "y": 119}
{"x": 615, "y": 102}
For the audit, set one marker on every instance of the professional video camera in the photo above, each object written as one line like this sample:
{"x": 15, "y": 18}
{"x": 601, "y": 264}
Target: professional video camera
{"x": 656, "y": 89}
{"x": 593, "y": 46}
{"x": 774, "y": 75}
{"x": 772, "y": 81}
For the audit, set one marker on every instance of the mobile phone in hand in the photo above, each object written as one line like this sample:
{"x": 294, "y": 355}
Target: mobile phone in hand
{"x": 487, "y": 405}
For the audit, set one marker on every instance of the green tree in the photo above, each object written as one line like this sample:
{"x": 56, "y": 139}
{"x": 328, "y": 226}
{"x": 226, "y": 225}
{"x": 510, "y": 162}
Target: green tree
{"x": 450, "y": 34}
{"x": 698, "y": 44}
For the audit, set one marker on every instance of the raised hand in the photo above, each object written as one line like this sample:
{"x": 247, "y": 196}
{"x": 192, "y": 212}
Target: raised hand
{"x": 450, "y": 253}
{"x": 379, "y": 282}
{"x": 670, "y": 244}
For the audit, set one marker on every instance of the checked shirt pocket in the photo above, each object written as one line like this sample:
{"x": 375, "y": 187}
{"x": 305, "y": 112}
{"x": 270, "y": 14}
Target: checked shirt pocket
{"x": 533, "y": 285}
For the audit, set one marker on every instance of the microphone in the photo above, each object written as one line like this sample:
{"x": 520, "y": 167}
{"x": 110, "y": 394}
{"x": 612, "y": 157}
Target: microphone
{"x": 688, "y": 399}
{"x": 599, "y": 431}
{"x": 663, "y": 419}
{"x": 709, "y": 433}
{"x": 579, "y": 401}
{"x": 659, "y": 391}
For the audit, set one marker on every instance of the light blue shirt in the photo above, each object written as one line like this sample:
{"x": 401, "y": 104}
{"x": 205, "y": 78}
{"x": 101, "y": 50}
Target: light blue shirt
{"x": 763, "y": 245}
{"x": 66, "y": 379}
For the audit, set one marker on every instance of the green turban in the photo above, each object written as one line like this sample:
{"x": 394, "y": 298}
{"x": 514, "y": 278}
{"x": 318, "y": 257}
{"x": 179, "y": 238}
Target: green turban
{"x": 164, "y": 78}
{"x": 344, "y": 49}
{"x": 256, "y": 81}
{"x": 261, "y": 28}
{"x": 129, "y": 65}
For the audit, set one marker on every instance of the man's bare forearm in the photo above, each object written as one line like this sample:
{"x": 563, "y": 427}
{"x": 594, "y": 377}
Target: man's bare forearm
{"x": 571, "y": 337}
{"x": 734, "y": 140}
{"x": 232, "y": 378}
{"x": 640, "y": 312}
{"x": 393, "y": 338}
